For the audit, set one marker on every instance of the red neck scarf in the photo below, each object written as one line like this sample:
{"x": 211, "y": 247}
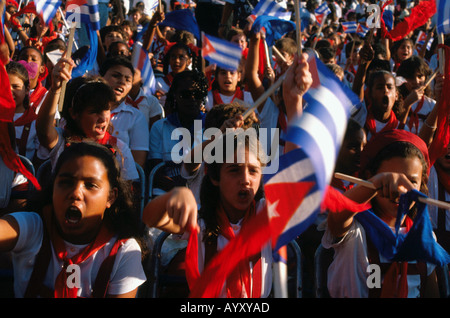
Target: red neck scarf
{"x": 28, "y": 116}
{"x": 239, "y": 282}
{"x": 392, "y": 286}
{"x": 37, "y": 95}
{"x": 134, "y": 103}
{"x": 103, "y": 237}
{"x": 217, "y": 100}
{"x": 414, "y": 117}
{"x": 371, "y": 125}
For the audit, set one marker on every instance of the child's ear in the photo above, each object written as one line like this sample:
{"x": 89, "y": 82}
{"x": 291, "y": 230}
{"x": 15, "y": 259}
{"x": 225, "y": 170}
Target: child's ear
{"x": 112, "y": 197}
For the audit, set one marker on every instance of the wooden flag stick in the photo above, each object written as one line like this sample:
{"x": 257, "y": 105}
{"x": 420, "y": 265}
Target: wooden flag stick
{"x": 264, "y": 96}
{"x": 368, "y": 184}
{"x": 278, "y": 53}
{"x": 441, "y": 53}
{"x": 430, "y": 79}
{"x": 298, "y": 26}
{"x": 68, "y": 54}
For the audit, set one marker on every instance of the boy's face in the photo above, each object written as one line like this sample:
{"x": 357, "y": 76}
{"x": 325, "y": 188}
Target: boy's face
{"x": 240, "y": 40}
{"x": 120, "y": 78}
{"x": 112, "y": 37}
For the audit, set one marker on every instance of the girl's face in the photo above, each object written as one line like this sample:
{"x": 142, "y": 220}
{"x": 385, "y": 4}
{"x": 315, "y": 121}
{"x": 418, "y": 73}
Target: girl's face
{"x": 18, "y": 89}
{"x": 415, "y": 82}
{"x": 239, "y": 183}
{"x": 31, "y": 55}
{"x": 93, "y": 123}
{"x": 120, "y": 78}
{"x": 349, "y": 160}
{"x": 179, "y": 60}
{"x": 120, "y": 49}
{"x": 412, "y": 168}
{"x": 81, "y": 193}
{"x": 405, "y": 51}
{"x": 228, "y": 81}
{"x": 240, "y": 40}
{"x": 383, "y": 95}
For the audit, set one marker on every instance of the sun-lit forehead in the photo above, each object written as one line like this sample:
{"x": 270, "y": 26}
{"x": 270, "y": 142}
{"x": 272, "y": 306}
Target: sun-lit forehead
{"x": 83, "y": 167}
{"x": 242, "y": 155}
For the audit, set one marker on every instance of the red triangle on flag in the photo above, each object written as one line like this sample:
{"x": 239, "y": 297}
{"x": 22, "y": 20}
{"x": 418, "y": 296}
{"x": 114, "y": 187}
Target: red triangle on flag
{"x": 283, "y": 200}
{"x": 319, "y": 18}
{"x": 207, "y": 47}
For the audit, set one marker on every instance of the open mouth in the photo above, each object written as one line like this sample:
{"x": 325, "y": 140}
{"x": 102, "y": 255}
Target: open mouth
{"x": 118, "y": 90}
{"x": 73, "y": 215}
{"x": 243, "y": 194}
{"x": 385, "y": 101}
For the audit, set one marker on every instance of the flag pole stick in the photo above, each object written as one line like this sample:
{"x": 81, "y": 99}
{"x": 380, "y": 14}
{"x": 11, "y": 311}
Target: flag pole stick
{"x": 68, "y": 53}
{"x": 278, "y": 53}
{"x": 441, "y": 53}
{"x": 265, "y": 95}
{"x": 67, "y": 26}
{"x": 368, "y": 184}
{"x": 316, "y": 39}
{"x": 298, "y": 26}
{"x": 280, "y": 274}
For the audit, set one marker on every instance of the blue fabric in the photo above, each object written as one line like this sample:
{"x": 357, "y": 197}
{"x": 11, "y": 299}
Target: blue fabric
{"x": 275, "y": 27}
{"x": 88, "y": 61}
{"x": 182, "y": 20}
{"x": 418, "y": 244}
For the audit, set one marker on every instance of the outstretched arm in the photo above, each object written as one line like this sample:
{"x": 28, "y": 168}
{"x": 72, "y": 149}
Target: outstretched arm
{"x": 174, "y": 211}
{"x": 46, "y": 131}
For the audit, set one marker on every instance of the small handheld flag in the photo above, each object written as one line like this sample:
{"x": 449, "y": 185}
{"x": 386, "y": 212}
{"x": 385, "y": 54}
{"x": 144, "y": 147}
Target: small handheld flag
{"x": 270, "y": 8}
{"x": 443, "y": 16}
{"x": 47, "y": 8}
{"x": 225, "y": 54}
{"x": 322, "y": 12}
{"x": 349, "y": 27}
{"x": 142, "y": 62}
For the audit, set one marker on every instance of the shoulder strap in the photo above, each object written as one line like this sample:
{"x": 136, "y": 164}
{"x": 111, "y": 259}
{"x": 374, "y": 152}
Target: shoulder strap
{"x": 210, "y": 248}
{"x": 104, "y": 273}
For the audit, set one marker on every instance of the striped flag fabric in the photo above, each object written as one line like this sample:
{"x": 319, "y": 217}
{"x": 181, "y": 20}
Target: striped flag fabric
{"x": 349, "y": 27}
{"x": 319, "y": 133}
{"x": 270, "y": 8}
{"x": 295, "y": 192}
{"x": 47, "y": 8}
{"x": 142, "y": 62}
{"x": 322, "y": 12}
{"x": 443, "y": 16}
{"x": 223, "y": 53}
{"x": 84, "y": 11}
{"x": 362, "y": 30}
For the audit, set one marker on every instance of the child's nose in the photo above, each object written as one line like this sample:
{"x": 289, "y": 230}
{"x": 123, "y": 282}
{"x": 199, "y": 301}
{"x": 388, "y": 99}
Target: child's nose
{"x": 76, "y": 192}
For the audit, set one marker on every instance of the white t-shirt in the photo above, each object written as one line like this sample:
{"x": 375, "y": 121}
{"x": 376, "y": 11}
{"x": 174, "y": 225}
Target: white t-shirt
{"x": 127, "y": 273}
{"x": 130, "y": 126}
{"x": 347, "y": 274}
{"x": 433, "y": 193}
{"x": 226, "y": 99}
{"x": 427, "y": 107}
{"x": 149, "y": 106}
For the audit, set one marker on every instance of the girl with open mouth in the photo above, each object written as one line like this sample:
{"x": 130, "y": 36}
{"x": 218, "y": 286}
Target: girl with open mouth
{"x": 86, "y": 116}
{"x": 82, "y": 238}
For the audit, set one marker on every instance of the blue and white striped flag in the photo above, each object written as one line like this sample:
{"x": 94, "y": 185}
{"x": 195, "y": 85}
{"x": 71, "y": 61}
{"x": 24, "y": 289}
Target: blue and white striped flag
{"x": 84, "y": 11}
{"x": 319, "y": 132}
{"x": 362, "y": 30}
{"x": 47, "y": 8}
{"x": 142, "y": 62}
{"x": 223, "y": 53}
{"x": 443, "y": 16}
{"x": 270, "y": 8}
{"x": 322, "y": 12}
{"x": 349, "y": 27}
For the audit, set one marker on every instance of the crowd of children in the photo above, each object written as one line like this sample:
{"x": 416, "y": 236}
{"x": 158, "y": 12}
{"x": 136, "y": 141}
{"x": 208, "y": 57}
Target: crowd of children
{"x": 107, "y": 130}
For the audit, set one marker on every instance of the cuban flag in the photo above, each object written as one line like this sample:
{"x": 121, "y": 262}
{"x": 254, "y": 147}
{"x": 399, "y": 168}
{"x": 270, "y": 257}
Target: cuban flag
{"x": 319, "y": 133}
{"x": 142, "y": 62}
{"x": 349, "y": 27}
{"x": 295, "y": 193}
{"x": 443, "y": 16}
{"x": 223, "y": 53}
{"x": 84, "y": 11}
{"x": 322, "y": 12}
{"x": 47, "y": 8}
{"x": 270, "y": 8}
{"x": 362, "y": 30}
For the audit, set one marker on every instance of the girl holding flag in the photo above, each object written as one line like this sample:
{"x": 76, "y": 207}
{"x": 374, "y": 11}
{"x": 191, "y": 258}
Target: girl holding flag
{"x": 394, "y": 162}
{"x": 230, "y": 195}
